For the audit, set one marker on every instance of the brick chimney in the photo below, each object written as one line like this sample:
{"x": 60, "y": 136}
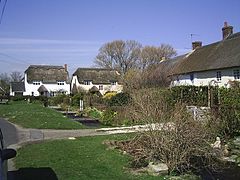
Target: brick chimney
{"x": 196, "y": 44}
{"x": 227, "y": 30}
{"x": 65, "y": 67}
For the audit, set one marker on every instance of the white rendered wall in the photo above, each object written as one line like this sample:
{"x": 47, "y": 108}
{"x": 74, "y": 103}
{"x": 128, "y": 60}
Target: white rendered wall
{"x": 206, "y": 78}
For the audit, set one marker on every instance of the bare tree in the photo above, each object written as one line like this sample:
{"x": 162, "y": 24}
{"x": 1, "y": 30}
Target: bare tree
{"x": 4, "y": 82}
{"x": 16, "y": 76}
{"x": 152, "y": 55}
{"x": 119, "y": 54}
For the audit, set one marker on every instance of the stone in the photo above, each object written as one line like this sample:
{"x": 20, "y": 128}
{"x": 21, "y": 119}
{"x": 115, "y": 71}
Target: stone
{"x": 217, "y": 143}
{"x": 71, "y": 138}
{"x": 157, "y": 169}
{"x": 226, "y": 150}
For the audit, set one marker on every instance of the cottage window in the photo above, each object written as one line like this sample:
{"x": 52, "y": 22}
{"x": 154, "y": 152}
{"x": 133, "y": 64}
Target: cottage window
{"x": 100, "y": 87}
{"x": 60, "y": 82}
{"x": 87, "y": 82}
{"x": 219, "y": 76}
{"x": 36, "y": 82}
{"x": 236, "y": 74}
{"x": 191, "y": 76}
{"x": 113, "y": 83}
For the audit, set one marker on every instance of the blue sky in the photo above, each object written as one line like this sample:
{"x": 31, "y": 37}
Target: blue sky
{"x": 70, "y": 32}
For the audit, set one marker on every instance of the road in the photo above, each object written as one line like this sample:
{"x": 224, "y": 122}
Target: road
{"x": 9, "y": 132}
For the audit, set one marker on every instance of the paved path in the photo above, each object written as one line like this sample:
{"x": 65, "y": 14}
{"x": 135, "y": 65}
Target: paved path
{"x": 9, "y": 132}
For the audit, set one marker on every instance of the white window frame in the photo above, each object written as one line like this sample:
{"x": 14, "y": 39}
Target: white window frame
{"x": 100, "y": 87}
{"x": 60, "y": 83}
{"x": 113, "y": 83}
{"x": 87, "y": 82}
{"x": 36, "y": 82}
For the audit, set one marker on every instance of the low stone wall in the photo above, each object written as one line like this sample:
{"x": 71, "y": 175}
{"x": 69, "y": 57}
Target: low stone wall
{"x": 199, "y": 113}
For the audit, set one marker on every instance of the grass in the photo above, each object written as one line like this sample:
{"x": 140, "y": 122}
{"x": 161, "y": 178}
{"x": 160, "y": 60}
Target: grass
{"x": 34, "y": 115}
{"x": 84, "y": 158}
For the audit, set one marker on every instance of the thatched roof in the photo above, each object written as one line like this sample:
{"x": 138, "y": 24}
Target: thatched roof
{"x": 220, "y": 55}
{"x": 42, "y": 88}
{"x": 94, "y": 89}
{"x": 46, "y": 74}
{"x": 97, "y": 75}
{"x": 18, "y": 86}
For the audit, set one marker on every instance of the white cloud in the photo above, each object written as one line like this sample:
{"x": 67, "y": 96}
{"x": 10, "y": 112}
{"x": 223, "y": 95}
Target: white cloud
{"x": 16, "y": 41}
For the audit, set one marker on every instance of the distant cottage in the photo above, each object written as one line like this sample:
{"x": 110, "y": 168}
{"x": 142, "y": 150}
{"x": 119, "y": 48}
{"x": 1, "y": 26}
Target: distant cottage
{"x": 214, "y": 64}
{"x": 42, "y": 80}
{"x": 96, "y": 80}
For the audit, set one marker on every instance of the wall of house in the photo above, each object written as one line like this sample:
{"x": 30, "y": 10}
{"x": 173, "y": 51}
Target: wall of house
{"x": 206, "y": 78}
{"x": 106, "y": 87}
{"x": 30, "y": 87}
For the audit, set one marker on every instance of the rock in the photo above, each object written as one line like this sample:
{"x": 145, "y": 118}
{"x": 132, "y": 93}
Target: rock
{"x": 71, "y": 138}
{"x": 157, "y": 169}
{"x": 217, "y": 143}
{"x": 226, "y": 150}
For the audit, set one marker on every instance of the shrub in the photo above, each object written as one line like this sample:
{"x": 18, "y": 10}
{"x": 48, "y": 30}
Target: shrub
{"x": 57, "y": 100}
{"x": 226, "y": 121}
{"x": 109, "y": 95}
{"x": 76, "y": 99}
{"x": 93, "y": 113}
{"x": 108, "y": 117}
{"x": 173, "y": 137}
{"x": 119, "y": 99}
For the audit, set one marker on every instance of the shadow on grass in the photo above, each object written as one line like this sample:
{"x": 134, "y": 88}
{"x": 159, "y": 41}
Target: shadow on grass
{"x": 44, "y": 173}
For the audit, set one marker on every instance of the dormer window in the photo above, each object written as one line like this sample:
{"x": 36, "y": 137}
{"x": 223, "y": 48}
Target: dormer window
{"x": 100, "y": 87}
{"x": 36, "y": 82}
{"x": 113, "y": 83}
{"x": 87, "y": 82}
{"x": 60, "y": 82}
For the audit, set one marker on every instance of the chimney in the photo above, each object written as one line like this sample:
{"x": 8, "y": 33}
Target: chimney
{"x": 65, "y": 67}
{"x": 196, "y": 44}
{"x": 227, "y": 30}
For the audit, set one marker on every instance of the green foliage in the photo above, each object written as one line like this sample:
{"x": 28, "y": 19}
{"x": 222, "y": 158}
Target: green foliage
{"x": 229, "y": 111}
{"x": 19, "y": 98}
{"x": 190, "y": 95}
{"x": 108, "y": 117}
{"x": 57, "y": 100}
{"x": 119, "y": 99}
{"x": 225, "y": 103}
{"x": 76, "y": 98}
{"x": 93, "y": 113}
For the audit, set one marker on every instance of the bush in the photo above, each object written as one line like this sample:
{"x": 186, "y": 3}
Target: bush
{"x": 57, "y": 100}
{"x": 120, "y": 99}
{"x": 173, "y": 137}
{"x": 76, "y": 99}
{"x": 226, "y": 119}
{"x": 109, "y": 95}
{"x": 108, "y": 117}
{"x": 93, "y": 113}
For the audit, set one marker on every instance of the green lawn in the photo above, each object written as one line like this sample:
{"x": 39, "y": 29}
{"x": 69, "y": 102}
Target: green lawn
{"x": 34, "y": 115}
{"x": 83, "y": 158}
